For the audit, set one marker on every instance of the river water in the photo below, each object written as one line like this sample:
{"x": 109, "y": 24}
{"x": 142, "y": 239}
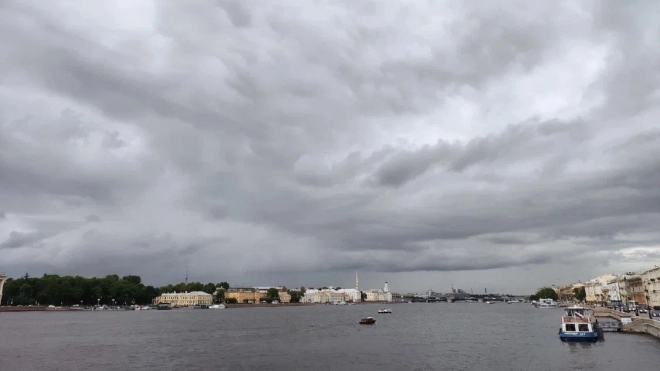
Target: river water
{"x": 459, "y": 336}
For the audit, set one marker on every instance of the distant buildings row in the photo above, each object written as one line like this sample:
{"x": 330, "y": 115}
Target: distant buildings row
{"x": 241, "y": 295}
{"x": 332, "y": 296}
{"x": 260, "y": 295}
{"x": 628, "y": 289}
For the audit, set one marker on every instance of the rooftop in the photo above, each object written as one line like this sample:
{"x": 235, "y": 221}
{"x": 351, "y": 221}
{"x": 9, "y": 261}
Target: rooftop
{"x": 192, "y": 293}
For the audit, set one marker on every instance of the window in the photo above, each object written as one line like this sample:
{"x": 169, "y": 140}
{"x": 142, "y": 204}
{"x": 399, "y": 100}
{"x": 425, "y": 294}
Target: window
{"x": 570, "y": 327}
{"x": 583, "y": 327}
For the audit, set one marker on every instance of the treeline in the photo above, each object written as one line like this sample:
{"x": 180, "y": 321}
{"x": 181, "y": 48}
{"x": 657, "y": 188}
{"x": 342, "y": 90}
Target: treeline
{"x": 58, "y": 290}
{"x": 579, "y": 294}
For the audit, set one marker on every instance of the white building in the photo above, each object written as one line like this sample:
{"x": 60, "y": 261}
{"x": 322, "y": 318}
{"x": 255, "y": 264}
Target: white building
{"x": 351, "y": 295}
{"x": 613, "y": 291}
{"x": 380, "y": 295}
{"x": 326, "y": 296}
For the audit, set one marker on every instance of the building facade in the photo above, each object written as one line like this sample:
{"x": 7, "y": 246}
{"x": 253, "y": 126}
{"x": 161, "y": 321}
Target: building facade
{"x": 613, "y": 296}
{"x": 256, "y": 294}
{"x": 651, "y": 280}
{"x": 246, "y": 295}
{"x": 380, "y": 295}
{"x": 185, "y": 299}
{"x": 565, "y": 293}
{"x": 285, "y": 297}
{"x": 602, "y": 289}
{"x": 635, "y": 290}
{"x": 590, "y": 291}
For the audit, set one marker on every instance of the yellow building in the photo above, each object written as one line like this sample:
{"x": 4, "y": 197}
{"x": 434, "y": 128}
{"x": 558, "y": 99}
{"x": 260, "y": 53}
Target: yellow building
{"x": 285, "y": 297}
{"x": 256, "y": 295}
{"x": 246, "y": 295}
{"x": 565, "y": 293}
{"x": 185, "y": 299}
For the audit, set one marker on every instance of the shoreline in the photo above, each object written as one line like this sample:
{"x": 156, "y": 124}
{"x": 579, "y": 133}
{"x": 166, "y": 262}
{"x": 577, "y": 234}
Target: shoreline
{"x": 40, "y": 308}
{"x": 234, "y": 306}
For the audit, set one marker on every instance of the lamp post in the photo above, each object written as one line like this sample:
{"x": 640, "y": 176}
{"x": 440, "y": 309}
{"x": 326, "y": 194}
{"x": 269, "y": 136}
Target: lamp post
{"x": 648, "y": 304}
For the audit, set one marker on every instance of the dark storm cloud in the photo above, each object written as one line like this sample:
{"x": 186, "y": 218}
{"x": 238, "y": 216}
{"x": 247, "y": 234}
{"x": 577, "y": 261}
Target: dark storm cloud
{"x": 281, "y": 137}
{"x": 18, "y": 239}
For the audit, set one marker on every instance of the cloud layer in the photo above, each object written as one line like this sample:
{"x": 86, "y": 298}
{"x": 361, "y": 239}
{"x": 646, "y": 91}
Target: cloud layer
{"x": 271, "y": 138}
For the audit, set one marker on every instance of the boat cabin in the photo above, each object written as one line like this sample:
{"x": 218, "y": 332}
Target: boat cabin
{"x": 578, "y": 322}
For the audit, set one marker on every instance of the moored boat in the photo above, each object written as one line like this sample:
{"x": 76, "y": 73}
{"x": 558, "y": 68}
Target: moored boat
{"x": 217, "y": 306}
{"x": 368, "y": 321}
{"x": 547, "y": 303}
{"x": 579, "y": 324}
{"x": 384, "y": 310}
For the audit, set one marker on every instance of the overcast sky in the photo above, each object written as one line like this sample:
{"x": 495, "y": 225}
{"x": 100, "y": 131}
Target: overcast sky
{"x": 485, "y": 144}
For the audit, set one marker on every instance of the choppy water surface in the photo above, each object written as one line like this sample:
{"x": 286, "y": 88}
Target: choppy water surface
{"x": 458, "y": 336}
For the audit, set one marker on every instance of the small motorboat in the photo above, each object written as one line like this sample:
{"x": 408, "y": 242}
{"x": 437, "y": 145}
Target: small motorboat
{"x": 384, "y": 310}
{"x": 217, "y": 306}
{"x": 368, "y": 321}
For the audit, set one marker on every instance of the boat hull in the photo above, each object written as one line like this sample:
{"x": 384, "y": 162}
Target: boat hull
{"x": 368, "y": 321}
{"x": 578, "y": 336}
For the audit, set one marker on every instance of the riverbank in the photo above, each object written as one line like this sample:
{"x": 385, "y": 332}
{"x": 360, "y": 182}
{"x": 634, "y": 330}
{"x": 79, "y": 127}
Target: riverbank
{"x": 638, "y": 324}
{"x": 40, "y": 308}
{"x": 34, "y": 308}
{"x": 234, "y": 306}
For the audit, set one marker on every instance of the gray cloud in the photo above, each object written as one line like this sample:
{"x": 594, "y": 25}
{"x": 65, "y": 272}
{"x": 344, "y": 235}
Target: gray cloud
{"x": 17, "y": 240}
{"x": 93, "y": 218}
{"x": 299, "y": 143}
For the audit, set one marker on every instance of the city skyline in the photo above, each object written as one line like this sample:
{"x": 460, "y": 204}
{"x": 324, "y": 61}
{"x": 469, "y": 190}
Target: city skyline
{"x": 473, "y": 144}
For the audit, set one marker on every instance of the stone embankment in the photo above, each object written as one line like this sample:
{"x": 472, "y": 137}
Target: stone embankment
{"x": 643, "y": 325}
{"x": 606, "y": 312}
{"x": 36, "y": 308}
{"x": 639, "y": 323}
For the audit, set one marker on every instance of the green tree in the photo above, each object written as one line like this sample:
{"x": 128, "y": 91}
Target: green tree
{"x": 224, "y": 285}
{"x": 136, "y": 280}
{"x": 210, "y": 288}
{"x": 220, "y": 295}
{"x": 580, "y": 293}
{"x": 547, "y": 293}
{"x": 295, "y": 296}
{"x": 273, "y": 294}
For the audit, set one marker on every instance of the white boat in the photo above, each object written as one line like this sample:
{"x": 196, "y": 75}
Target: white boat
{"x": 547, "y": 303}
{"x": 384, "y": 310}
{"x": 578, "y": 324}
{"x": 217, "y": 306}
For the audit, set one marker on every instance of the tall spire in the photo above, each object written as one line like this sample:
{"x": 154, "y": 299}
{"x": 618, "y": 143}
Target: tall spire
{"x": 357, "y": 283}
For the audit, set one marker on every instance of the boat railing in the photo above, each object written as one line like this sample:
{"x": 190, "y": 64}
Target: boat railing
{"x": 570, "y": 319}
